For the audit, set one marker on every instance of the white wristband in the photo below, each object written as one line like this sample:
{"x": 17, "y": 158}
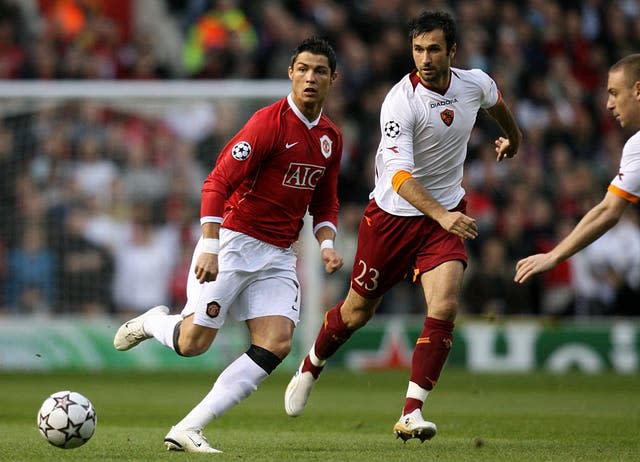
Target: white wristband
{"x": 211, "y": 245}
{"x": 326, "y": 244}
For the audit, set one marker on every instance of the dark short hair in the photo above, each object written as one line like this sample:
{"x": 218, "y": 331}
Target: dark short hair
{"x": 630, "y": 65}
{"x": 316, "y": 46}
{"x": 430, "y": 20}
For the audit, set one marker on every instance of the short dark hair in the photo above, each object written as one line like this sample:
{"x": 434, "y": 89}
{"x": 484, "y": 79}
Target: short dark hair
{"x": 430, "y": 20}
{"x": 630, "y": 65}
{"x": 316, "y": 46}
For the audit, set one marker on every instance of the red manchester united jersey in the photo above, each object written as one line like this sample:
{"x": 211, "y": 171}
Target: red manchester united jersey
{"x": 275, "y": 167}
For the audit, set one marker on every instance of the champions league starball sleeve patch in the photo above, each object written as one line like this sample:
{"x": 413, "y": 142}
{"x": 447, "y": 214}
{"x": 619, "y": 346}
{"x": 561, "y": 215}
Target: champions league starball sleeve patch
{"x": 392, "y": 129}
{"x": 241, "y": 150}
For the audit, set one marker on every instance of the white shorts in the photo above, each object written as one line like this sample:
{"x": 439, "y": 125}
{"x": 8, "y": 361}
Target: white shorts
{"x": 255, "y": 279}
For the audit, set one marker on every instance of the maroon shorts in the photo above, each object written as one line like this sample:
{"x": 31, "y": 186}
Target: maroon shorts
{"x": 390, "y": 247}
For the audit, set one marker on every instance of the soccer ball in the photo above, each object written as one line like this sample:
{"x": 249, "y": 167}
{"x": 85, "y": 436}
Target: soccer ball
{"x": 67, "y": 419}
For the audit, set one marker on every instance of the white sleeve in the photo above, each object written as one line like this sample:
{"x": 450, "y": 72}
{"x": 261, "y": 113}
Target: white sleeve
{"x": 489, "y": 89}
{"x": 628, "y": 177}
{"x": 397, "y": 121}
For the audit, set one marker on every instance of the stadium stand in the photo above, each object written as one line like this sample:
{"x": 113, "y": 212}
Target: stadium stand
{"x": 549, "y": 58}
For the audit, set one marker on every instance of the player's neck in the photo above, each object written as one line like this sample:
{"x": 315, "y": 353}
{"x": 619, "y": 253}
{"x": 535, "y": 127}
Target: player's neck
{"x": 439, "y": 86}
{"x": 310, "y": 111}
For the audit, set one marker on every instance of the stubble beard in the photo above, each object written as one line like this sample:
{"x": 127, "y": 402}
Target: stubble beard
{"x": 436, "y": 79}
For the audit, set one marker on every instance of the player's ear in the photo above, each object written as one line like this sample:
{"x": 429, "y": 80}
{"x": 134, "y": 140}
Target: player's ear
{"x": 290, "y": 72}
{"x": 334, "y": 76}
{"x": 636, "y": 89}
{"x": 453, "y": 50}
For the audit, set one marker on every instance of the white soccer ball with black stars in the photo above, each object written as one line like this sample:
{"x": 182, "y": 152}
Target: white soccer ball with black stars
{"x": 67, "y": 419}
{"x": 392, "y": 129}
{"x": 241, "y": 150}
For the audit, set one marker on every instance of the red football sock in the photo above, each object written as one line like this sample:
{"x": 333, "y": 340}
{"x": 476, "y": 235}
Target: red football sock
{"x": 410, "y": 405}
{"x": 308, "y": 366}
{"x": 431, "y": 352}
{"x": 333, "y": 333}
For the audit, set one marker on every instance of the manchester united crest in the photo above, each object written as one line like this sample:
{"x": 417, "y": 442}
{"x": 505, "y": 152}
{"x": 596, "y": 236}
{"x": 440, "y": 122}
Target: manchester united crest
{"x": 213, "y": 309}
{"x": 325, "y": 145}
{"x": 447, "y": 116}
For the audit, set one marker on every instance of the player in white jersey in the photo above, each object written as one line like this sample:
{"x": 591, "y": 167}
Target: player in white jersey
{"x": 415, "y": 222}
{"x": 425, "y": 133}
{"x": 624, "y": 103}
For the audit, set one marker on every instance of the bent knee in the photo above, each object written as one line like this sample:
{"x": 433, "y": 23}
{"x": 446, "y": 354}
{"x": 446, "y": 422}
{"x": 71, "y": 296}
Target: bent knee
{"x": 194, "y": 343}
{"x": 447, "y": 310}
{"x": 279, "y": 347}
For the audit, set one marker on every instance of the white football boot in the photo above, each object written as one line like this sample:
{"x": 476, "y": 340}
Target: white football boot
{"x": 191, "y": 440}
{"x": 298, "y": 391}
{"x": 131, "y": 332}
{"x": 412, "y": 425}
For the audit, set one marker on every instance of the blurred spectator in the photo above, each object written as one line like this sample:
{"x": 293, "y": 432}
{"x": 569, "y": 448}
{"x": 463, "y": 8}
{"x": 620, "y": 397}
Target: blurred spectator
{"x": 31, "y": 275}
{"x": 93, "y": 174}
{"x": 278, "y": 34}
{"x": 141, "y": 180}
{"x": 192, "y": 121}
{"x": 219, "y": 41}
{"x": 12, "y": 53}
{"x": 557, "y": 295}
{"x": 85, "y": 269}
{"x": 548, "y": 57}
{"x": 607, "y": 273}
{"x": 489, "y": 290}
{"x": 9, "y": 162}
{"x": 227, "y": 120}
{"x": 144, "y": 253}
{"x": 52, "y": 169}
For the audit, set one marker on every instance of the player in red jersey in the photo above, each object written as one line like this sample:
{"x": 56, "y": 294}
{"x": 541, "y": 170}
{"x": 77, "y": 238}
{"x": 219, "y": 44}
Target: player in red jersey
{"x": 283, "y": 161}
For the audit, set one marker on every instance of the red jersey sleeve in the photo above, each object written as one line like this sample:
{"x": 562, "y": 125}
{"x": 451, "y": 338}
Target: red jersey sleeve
{"x": 238, "y": 160}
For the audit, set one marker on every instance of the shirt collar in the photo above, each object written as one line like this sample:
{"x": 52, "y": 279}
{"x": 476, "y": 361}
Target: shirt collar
{"x": 300, "y": 115}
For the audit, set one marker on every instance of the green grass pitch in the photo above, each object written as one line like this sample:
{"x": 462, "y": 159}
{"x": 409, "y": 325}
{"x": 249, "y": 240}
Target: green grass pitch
{"x": 538, "y": 417}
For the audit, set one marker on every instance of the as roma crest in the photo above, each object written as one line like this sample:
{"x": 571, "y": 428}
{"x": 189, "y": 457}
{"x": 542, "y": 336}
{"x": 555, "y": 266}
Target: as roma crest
{"x": 447, "y": 117}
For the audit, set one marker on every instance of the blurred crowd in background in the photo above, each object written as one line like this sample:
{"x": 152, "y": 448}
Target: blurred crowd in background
{"x": 99, "y": 209}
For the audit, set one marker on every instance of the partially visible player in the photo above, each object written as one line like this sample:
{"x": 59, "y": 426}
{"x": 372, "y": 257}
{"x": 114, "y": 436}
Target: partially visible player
{"x": 624, "y": 103}
{"x": 284, "y": 160}
{"x": 415, "y": 221}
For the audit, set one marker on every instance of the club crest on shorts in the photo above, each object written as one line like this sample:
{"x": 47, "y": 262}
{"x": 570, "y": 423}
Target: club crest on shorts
{"x": 447, "y": 116}
{"x": 213, "y": 309}
{"x": 325, "y": 146}
{"x": 241, "y": 150}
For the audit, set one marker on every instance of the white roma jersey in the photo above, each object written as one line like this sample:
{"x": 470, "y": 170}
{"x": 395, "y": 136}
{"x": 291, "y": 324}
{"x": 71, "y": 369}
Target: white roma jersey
{"x": 626, "y": 183}
{"x": 426, "y": 133}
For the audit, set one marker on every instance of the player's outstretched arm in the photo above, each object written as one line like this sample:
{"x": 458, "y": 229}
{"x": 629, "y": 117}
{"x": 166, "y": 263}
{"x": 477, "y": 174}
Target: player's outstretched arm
{"x": 506, "y": 147}
{"x": 594, "y": 224}
{"x": 534, "y": 264}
